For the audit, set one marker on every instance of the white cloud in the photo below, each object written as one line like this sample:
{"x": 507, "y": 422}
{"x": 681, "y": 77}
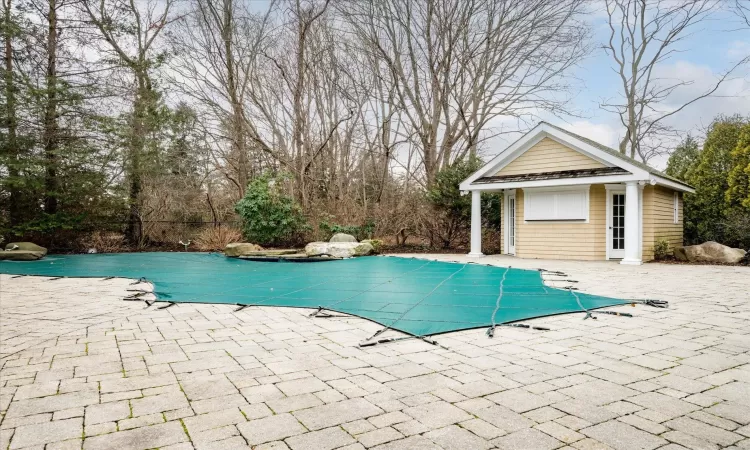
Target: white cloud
{"x": 738, "y": 50}
{"x": 732, "y": 97}
{"x": 602, "y": 133}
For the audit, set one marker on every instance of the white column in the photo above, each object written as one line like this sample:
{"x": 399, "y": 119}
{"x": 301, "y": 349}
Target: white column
{"x": 476, "y": 224}
{"x": 632, "y": 224}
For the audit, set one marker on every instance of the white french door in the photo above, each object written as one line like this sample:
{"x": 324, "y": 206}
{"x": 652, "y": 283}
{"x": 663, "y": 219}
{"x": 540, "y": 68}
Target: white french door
{"x": 616, "y": 224}
{"x": 510, "y": 224}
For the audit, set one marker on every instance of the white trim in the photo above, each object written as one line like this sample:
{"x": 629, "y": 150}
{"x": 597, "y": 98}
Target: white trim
{"x": 476, "y": 225}
{"x": 656, "y": 179}
{"x": 550, "y": 183}
{"x": 577, "y": 187}
{"x": 587, "y": 201}
{"x": 620, "y": 189}
{"x": 506, "y": 235}
{"x": 611, "y": 189}
{"x": 675, "y": 207}
{"x": 641, "y": 186}
{"x": 633, "y": 250}
{"x": 545, "y": 130}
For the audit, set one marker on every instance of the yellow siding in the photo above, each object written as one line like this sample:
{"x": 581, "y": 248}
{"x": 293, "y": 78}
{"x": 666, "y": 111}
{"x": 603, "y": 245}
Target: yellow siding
{"x": 648, "y": 223}
{"x": 564, "y": 240}
{"x": 658, "y": 219}
{"x": 549, "y": 156}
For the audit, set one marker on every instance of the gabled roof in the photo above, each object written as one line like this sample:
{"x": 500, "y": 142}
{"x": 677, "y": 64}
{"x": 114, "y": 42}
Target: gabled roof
{"x": 608, "y": 156}
{"x": 617, "y": 154}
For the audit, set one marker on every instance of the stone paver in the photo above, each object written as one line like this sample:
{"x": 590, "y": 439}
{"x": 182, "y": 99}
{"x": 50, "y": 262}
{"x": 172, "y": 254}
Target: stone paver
{"x": 337, "y": 413}
{"x": 53, "y": 403}
{"x": 81, "y": 368}
{"x": 269, "y": 429}
{"x": 528, "y": 439}
{"x": 379, "y": 436}
{"x": 623, "y": 436}
{"x": 46, "y": 432}
{"x": 456, "y": 438}
{"x": 154, "y": 436}
{"x": 327, "y": 439}
{"x": 438, "y": 415}
{"x": 107, "y": 412}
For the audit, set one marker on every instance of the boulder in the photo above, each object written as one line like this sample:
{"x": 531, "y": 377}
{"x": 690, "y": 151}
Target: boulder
{"x": 316, "y": 248}
{"x": 28, "y": 246}
{"x": 363, "y": 249}
{"x": 377, "y": 244}
{"x": 241, "y": 249}
{"x": 339, "y": 249}
{"x": 711, "y": 252}
{"x": 342, "y": 237}
{"x": 20, "y": 255}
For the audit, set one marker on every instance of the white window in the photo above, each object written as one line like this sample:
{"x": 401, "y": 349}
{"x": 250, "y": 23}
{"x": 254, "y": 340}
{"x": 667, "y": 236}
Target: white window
{"x": 676, "y": 207}
{"x": 562, "y": 203}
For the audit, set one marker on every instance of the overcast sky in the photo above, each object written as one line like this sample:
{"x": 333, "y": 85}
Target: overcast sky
{"x": 713, "y": 47}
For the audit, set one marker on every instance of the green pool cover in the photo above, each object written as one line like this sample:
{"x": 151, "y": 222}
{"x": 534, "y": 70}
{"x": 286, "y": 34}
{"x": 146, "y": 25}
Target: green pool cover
{"x": 416, "y": 296}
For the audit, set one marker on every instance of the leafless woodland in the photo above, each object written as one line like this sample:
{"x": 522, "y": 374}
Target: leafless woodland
{"x": 148, "y": 110}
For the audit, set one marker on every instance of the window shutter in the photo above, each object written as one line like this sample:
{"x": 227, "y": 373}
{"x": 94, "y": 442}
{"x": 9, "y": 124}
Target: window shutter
{"x": 556, "y": 204}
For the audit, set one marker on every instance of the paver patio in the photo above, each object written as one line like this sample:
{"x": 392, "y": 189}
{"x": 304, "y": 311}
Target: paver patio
{"x": 81, "y": 368}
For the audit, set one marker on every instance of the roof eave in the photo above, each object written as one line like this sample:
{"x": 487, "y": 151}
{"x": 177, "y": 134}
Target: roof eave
{"x": 602, "y": 179}
{"x": 677, "y": 186}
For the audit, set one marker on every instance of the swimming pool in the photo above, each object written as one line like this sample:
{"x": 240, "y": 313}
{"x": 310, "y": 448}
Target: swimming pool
{"x": 416, "y": 296}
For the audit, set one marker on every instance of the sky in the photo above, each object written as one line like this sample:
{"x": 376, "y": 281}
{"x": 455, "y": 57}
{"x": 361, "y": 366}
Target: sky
{"x": 712, "y": 48}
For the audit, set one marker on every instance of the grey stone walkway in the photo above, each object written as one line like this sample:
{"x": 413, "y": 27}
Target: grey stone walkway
{"x": 81, "y": 368}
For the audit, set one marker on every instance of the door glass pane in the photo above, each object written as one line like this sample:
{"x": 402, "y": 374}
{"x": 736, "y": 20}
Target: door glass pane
{"x": 618, "y": 221}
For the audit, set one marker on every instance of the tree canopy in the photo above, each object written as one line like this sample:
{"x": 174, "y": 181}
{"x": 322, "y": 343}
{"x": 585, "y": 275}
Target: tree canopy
{"x": 719, "y": 171}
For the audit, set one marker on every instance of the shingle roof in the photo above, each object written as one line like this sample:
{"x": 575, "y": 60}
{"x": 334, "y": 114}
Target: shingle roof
{"x": 560, "y": 174}
{"x": 617, "y": 154}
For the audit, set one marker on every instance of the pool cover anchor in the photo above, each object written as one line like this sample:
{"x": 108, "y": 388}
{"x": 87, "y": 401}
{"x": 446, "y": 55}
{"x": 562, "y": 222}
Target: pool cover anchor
{"x": 369, "y": 343}
{"x": 167, "y": 305}
{"x": 139, "y": 280}
{"x": 652, "y": 302}
{"x": 491, "y": 330}
{"x": 136, "y": 296}
{"x": 240, "y": 307}
{"x": 590, "y": 314}
{"x": 615, "y": 313}
{"x": 554, "y": 272}
{"x": 320, "y": 313}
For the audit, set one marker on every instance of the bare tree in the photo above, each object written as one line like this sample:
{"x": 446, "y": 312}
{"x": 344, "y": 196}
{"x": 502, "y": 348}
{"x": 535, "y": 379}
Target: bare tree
{"x": 130, "y": 30}
{"x": 216, "y": 47}
{"x": 644, "y": 34}
{"x": 742, "y": 9}
{"x": 457, "y": 65}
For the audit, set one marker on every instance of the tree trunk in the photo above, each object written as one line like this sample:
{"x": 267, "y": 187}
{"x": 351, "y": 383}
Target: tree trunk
{"x": 11, "y": 121}
{"x": 237, "y": 118}
{"x": 138, "y": 132}
{"x": 51, "y": 135}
